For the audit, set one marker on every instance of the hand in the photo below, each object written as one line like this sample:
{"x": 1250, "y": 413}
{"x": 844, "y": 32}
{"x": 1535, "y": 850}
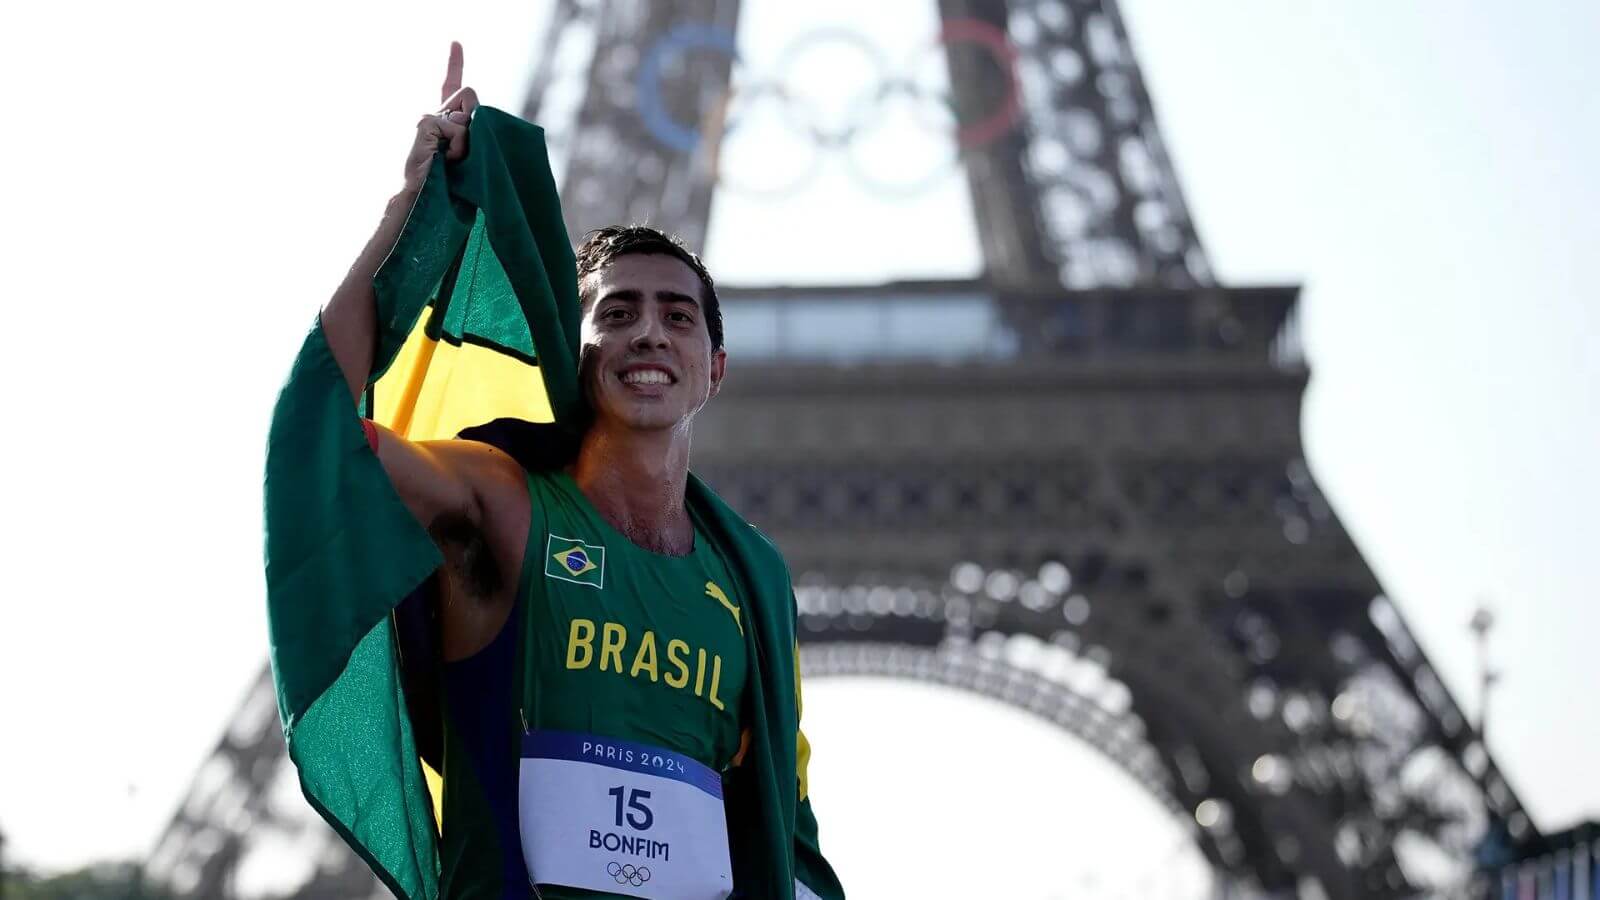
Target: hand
{"x": 445, "y": 129}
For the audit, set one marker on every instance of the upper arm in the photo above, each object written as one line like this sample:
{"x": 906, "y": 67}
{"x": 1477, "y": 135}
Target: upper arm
{"x": 444, "y": 483}
{"x": 443, "y": 478}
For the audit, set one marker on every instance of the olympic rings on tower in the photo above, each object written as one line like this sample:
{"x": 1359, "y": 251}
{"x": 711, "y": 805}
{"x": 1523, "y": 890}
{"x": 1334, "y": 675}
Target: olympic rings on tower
{"x": 863, "y": 114}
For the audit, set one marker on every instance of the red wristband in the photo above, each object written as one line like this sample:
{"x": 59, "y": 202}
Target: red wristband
{"x": 372, "y": 434}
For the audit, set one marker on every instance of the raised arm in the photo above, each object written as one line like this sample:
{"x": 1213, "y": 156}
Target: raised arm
{"x": 435, "y": 481}
{"x": 470, "y": 496}
{"x": 350, "y": 318}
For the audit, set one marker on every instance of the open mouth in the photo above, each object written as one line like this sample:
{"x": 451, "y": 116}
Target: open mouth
{"x": 646, "y": 375}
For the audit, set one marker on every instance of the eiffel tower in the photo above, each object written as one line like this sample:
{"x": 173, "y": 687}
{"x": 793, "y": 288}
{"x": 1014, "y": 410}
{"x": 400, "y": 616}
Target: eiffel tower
{"x": 1086, "y": 498}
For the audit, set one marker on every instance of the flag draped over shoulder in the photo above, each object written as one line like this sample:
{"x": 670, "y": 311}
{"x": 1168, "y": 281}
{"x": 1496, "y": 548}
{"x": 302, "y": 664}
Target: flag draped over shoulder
{"x": 477, "y": 323}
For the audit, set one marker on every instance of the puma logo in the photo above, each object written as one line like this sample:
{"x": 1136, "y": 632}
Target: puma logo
{"x": 716, "y": 594}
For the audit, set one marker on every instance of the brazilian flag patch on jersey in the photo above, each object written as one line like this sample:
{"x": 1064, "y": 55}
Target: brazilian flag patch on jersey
{"x": 575, "y": 561}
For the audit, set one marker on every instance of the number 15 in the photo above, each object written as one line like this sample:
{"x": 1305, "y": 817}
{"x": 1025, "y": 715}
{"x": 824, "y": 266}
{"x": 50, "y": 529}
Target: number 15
{"x": 635, "y": 798}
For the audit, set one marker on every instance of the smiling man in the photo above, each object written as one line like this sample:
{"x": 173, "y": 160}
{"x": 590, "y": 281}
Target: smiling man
{"x": 632, "y": 655}
{"x": 601, "y": 670}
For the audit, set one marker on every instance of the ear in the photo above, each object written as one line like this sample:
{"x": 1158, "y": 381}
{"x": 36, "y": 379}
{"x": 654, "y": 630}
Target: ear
{"x": 719, "y": 367}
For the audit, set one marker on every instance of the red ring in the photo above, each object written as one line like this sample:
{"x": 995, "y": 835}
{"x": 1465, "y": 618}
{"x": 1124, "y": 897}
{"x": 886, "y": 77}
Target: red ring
{"x": 975, "y": 31}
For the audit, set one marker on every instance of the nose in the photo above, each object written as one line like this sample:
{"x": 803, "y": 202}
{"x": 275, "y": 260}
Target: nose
{"x": 650, "y": 335}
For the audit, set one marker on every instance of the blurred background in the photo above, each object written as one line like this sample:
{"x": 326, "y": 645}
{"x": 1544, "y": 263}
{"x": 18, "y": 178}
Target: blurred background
{"x": 1176, "y": 416}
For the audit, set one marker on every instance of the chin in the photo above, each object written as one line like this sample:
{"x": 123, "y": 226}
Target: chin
{"x": 639, "y": 416}
{"x": 650, "y": 420}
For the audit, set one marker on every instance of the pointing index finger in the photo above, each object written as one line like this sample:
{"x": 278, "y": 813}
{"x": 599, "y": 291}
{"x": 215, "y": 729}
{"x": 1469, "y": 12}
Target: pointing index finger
{"x": 452, "y": 73}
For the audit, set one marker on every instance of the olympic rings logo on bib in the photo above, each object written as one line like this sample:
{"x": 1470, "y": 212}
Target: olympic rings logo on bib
{"x": 627, "y": 873}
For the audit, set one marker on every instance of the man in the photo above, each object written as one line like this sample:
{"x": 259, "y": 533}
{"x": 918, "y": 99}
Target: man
{"x": 587, "y": 615}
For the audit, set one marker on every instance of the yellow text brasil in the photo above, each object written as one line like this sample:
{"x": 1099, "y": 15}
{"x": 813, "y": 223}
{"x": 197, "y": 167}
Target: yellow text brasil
{"x": 646, "y": 660}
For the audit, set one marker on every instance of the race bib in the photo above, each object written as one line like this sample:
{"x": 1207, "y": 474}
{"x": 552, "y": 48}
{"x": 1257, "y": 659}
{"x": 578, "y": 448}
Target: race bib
{"x": 622, "y": 817}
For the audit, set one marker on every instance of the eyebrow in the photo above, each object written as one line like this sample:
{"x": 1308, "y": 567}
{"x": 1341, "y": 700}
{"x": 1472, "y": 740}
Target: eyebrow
{"x": 629, "y": 295}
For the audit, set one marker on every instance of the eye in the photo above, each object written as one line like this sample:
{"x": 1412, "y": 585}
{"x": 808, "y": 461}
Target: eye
{"x": 682, "y": 317}
{"x": 615, "y": 313}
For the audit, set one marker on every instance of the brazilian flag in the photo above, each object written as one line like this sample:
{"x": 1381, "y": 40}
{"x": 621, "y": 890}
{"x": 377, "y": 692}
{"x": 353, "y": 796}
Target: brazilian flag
{"x": 478, "y": 323}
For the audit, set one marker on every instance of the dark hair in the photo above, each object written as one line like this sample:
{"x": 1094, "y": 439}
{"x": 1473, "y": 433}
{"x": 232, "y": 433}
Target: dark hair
{"x": 603, "y": 245}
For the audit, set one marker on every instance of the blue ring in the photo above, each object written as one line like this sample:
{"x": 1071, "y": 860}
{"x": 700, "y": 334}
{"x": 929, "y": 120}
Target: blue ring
{"x": 652, "y": 111}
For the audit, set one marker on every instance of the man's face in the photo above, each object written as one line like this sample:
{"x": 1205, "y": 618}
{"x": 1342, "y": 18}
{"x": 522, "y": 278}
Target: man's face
{"x": 647, "y": 359}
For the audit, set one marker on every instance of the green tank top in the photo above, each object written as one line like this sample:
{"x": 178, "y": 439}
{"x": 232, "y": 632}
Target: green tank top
{"x": 607, "y": 639}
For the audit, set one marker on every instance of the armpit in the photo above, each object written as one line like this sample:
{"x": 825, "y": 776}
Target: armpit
{"x": 470, "y": 563}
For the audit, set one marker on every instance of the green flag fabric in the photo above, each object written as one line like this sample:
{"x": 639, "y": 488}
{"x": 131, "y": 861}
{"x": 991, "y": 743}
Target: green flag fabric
{"x": 478, "y": 321}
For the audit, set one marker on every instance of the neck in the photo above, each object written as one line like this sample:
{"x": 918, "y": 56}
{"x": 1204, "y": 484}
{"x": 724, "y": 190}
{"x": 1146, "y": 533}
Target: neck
{"x": 636, "y": 481}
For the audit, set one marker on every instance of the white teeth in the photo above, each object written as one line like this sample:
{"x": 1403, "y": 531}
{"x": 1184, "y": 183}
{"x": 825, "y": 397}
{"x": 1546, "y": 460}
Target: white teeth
{"x": 646, "y": 376}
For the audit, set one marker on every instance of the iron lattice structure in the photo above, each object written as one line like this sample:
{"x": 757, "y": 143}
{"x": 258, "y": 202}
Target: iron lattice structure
{"x": 1091, "y": 504}
{"x": 1107, "y": 520}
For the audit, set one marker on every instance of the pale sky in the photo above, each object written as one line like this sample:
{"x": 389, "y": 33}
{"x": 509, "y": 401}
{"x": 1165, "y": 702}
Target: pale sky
{"x": 197, "y": 176}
